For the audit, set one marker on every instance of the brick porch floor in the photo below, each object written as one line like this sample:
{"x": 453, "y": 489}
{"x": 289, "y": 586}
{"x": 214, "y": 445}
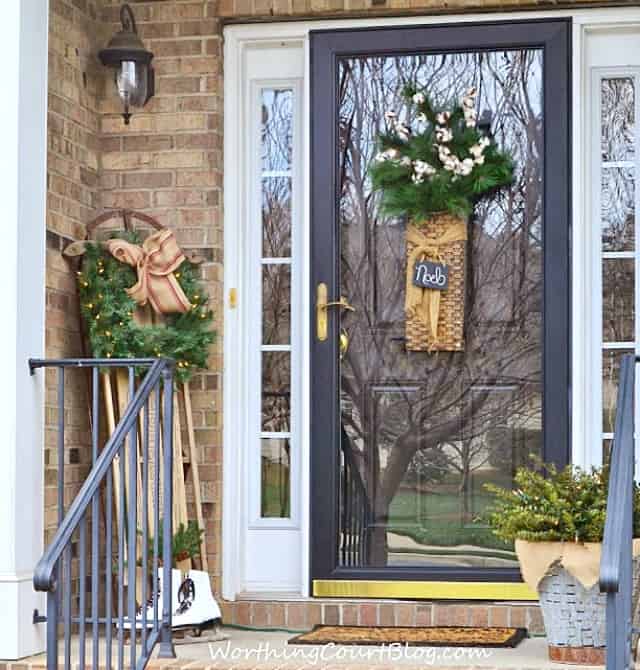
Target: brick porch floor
{"x": 255, "y": 650}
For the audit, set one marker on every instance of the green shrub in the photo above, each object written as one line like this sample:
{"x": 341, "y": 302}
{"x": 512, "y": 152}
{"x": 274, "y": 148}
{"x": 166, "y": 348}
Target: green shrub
{"x": 548, "y": 504}
{"x": 186, "y": 542}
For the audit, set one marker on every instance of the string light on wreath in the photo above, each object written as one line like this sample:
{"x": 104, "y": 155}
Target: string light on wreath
{"x": 109, "y": 309}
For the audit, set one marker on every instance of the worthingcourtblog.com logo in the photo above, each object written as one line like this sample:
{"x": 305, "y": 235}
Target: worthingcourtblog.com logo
{"x": 265, "y": 652}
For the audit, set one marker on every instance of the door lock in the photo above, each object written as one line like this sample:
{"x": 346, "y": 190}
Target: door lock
{"x": 322, "y": 305}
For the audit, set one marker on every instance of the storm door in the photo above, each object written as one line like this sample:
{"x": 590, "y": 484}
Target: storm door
{"x": 404, "y": 441}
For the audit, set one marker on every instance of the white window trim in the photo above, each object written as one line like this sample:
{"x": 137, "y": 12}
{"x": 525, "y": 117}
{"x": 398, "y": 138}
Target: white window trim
{"x": 239, "y": 39}
{"x": 254, "y": 251}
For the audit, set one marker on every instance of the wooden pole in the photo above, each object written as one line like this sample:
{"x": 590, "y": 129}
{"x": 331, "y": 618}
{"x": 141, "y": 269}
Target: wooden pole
{"x": 195, "y": 473}
{"x": 180, "y": 501}
{"x": 111, "y": 426}
{"x": 122, "y": 386}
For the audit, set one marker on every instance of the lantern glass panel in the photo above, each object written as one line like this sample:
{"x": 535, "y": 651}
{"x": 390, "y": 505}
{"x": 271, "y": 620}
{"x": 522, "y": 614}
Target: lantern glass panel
{"x": 132, "y": 81}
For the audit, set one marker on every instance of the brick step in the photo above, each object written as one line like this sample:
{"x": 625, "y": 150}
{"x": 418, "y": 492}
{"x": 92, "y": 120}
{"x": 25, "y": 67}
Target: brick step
{"x": 297, "y": 615}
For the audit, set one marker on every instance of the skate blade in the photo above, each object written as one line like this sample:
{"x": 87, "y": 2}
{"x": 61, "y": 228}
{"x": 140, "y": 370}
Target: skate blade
{"x": 208, "y": 631}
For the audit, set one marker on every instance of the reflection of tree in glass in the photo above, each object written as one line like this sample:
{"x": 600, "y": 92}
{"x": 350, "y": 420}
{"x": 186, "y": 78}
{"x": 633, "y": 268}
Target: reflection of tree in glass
{"x": 277, "y": 135}
{"x": 276, "y": 217}
{"x": 277, "y": 129}
{"x": 396, "y": 403}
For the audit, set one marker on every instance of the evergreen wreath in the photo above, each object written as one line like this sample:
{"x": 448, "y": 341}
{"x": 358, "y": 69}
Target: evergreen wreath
{"x": 444, "y": 163}
{"x": 108, "y": 312}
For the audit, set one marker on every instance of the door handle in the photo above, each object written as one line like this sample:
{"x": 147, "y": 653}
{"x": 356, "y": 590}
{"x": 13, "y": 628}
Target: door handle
{"x": 322, "y": 305}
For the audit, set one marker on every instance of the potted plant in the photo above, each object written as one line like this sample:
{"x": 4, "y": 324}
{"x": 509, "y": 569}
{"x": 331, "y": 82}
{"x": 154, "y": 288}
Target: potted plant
{"x": 433, "y": 164}
{"x": 556, "y": 519}
{"x": 185, "y": 546}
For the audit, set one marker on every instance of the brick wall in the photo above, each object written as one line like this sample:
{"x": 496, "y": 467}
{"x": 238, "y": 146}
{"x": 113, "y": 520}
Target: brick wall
{"x": 281, "y": 9}
{"x": 168, "y": 163}
{"x": 72, "y": 199}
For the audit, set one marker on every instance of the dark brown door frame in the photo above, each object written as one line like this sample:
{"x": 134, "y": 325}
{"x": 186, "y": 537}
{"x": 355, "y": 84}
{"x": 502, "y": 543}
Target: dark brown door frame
{"x": 327, "y": 47}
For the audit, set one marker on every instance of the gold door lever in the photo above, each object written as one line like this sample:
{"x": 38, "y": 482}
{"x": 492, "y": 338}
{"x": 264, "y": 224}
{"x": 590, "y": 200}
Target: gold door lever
{"x": 321, "y": 310}
{"x": 341, "y": 303}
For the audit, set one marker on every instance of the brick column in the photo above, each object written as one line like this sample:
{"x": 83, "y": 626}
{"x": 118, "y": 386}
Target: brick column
{"x": 23, "y": 54}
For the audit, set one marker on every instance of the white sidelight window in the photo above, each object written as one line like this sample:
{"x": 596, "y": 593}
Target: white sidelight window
{"x": 263, "y": 324}
{"x": 272, "y": 481}
{"x": 615, "y": 207}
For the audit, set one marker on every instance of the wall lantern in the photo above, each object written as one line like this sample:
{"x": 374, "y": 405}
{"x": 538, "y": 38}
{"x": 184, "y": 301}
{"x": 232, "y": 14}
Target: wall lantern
{"x": 126, "y": 54}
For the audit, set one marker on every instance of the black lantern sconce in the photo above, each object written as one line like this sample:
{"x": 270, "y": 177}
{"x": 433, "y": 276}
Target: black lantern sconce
{"x": 126, "y": 54}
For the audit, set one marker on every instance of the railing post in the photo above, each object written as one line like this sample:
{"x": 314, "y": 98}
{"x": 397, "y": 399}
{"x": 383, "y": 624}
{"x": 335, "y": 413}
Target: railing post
{"x": 616, "y": 570}
{"x": 52, "y": 630}
{"x": 167, "y": 649}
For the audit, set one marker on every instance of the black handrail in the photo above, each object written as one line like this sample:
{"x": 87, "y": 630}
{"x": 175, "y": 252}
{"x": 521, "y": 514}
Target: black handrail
{"x": 616, "y": 567}
{"x": 43, "y": 578}
{"x": 122, "y": 478}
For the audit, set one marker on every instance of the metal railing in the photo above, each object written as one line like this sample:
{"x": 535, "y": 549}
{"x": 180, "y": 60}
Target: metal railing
{"x": 356, "y": 520}
{"x": 124, "y": 598}
{"x": 616, "y": 567}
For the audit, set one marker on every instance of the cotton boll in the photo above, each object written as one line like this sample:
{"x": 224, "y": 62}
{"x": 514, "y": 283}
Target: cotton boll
{"x": 402, "y": 131}
{"x": 418, "y": 98}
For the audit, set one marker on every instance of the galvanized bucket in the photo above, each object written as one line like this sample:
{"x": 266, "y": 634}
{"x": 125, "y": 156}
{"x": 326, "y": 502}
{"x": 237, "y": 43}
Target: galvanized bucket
{"x": 575, "y": 617}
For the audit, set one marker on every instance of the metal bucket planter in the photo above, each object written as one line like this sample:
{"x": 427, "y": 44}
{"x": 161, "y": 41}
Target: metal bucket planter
{"x": 575, "y": 616}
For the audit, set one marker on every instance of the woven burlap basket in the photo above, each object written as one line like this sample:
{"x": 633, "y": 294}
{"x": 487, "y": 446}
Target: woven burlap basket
{"x": 445, "y": 236}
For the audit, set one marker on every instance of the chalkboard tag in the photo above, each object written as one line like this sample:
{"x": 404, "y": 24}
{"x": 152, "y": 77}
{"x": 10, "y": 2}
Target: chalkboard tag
{"x": 427, "y": 274}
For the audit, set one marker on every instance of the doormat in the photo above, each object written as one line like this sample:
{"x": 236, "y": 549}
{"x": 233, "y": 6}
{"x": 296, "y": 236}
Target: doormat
{"x": 432, "y": 636}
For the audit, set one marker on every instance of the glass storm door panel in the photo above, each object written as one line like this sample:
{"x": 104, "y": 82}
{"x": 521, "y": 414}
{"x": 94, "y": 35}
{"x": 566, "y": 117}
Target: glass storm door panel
{"x": 408, "y": 440}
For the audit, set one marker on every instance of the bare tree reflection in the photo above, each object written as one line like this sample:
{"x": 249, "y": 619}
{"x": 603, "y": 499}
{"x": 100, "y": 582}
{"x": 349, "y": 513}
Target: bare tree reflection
{"x": 423, "y": 422}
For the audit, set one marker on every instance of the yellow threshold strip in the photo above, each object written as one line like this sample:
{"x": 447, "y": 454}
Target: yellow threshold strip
{"x": 339, "y": 588}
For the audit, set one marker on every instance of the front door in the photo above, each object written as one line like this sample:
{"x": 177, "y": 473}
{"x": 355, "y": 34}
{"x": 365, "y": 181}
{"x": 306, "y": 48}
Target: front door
{"x": 404, "y": 441}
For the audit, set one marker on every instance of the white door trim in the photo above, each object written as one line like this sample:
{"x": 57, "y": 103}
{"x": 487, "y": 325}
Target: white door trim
{"x": 239, "y": 39}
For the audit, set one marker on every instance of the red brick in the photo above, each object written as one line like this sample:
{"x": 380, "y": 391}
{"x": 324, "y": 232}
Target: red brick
{"x": 243, "y": 613}
{"x": 147, "y": 143}
{"x": 150, "y": 180}
{"x": 297, "y": 615}
{"x": 499, "y": 616}
{"x": 405, "y": 615}
{"x": 424, "y": 615}
{"x": 173, "y": 48}
{"x": 479, "y": 616}
{"x": 331, "y": 615}
{"x": 350, "y": 615}
{"x": 259, "y": 614}
{"x": 369, "y": 614}
{"x": 387, "y": 614}
{"x": 277, "y": 619}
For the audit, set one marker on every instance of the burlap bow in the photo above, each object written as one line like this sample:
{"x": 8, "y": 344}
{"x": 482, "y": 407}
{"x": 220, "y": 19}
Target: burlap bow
{"x": 424, "y": 303}
{"x": 155, "y": 261}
